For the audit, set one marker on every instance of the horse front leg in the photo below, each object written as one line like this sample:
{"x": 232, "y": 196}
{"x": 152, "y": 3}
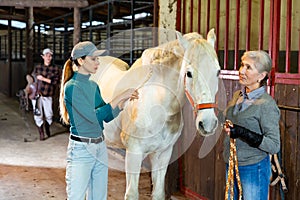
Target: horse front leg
{"x": 159, "y": 163}
{"x": 133, "y": 163}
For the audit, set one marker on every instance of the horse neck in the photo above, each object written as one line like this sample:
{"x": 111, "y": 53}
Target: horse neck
{"x": 169, "y": 75}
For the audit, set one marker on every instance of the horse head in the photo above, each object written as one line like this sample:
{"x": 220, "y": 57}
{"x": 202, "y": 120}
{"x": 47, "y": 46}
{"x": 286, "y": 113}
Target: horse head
{"x": 199, "y": 73}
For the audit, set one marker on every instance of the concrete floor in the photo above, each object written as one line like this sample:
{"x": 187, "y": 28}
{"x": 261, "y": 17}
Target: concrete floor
{"x": 31, "y": 169}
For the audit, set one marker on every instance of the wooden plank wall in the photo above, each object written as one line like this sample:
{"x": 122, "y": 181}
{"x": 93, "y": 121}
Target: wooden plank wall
{"x": 205, "y": 178}
{"x": 249, "y": 27}
{"x": 288, "y": 99}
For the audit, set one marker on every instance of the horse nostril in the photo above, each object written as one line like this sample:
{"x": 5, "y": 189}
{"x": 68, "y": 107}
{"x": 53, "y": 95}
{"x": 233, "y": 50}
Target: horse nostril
{"x": 201, "y": 125}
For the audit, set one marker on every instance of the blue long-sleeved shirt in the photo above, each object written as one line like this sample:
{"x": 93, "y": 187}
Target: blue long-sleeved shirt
{"x": 86, "y": 108}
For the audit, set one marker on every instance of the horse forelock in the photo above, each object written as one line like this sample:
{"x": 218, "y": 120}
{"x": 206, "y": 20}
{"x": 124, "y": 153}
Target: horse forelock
{"x": 192, "y": 36}
{"x": 199, "y": 52}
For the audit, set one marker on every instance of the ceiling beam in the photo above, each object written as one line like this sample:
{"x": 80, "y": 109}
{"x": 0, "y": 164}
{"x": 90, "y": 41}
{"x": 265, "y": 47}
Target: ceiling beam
{"x": 46, "y": 3}
{"x": 13, "y": 17}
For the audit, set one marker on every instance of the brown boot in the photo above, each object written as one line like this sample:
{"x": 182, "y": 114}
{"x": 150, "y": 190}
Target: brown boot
{"x": 47, "y": 129}
{"x": 41, "y": 132}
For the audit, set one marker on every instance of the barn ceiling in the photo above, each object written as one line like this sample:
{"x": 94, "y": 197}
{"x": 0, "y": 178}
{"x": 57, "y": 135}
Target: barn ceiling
{"x": 44, "y": 10}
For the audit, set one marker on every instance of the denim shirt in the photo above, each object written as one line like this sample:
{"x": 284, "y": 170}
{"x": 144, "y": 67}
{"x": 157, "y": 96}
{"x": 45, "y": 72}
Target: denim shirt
{"x": 247, "y": 99}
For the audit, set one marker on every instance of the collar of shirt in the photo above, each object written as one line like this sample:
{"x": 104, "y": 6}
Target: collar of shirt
{"x": 254, "y": 94}
{"x": 80, "y": 76}
{"x": 247, "y": 99}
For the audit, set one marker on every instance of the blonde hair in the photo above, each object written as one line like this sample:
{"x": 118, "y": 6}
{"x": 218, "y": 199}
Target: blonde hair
{"x": 66, "y": 75}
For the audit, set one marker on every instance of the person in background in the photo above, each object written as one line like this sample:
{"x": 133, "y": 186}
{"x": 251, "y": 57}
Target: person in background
{"x": 255, "y": 126}
{"x": 82, "y": 107}
{"x": 46, "y": 76}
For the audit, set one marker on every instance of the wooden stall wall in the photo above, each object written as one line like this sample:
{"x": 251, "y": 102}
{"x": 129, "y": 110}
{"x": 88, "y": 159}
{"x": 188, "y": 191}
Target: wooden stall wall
{"x": 17, "y": 74}
{"x": 287, "y": 96}
{"x": 204, "y": 177}
{"x": 241, "y": 25}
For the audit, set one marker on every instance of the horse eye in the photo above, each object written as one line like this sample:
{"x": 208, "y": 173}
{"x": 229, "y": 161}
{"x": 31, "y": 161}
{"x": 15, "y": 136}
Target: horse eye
{"x": 189, "y": 74}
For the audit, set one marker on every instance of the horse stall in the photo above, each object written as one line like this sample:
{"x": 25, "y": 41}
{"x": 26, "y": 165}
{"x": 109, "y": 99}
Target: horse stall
{"x": 240, "y": 25}
{"x": 272, "y": 26}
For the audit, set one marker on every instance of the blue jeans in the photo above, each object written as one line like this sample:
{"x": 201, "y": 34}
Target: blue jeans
{"x": 255, "y": 180}
{"x": 86, "y": 171}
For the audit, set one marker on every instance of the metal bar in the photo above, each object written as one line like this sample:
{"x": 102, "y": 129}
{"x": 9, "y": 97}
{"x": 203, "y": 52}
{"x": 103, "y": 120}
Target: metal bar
{"x": 237, "y": 36}
{"x": 129, "y": 1}
{"x": 54, "y": 42}
{"x": 5, "y": 45}
{"x": 272, "y": 74}
{"x": 132, "y": 45}
{"x": 217, "y": 24}
{"x": 150, "y": 6}
{"x": 275, "y": 44}
{"x": 248, "y": 26}
{"x": 191, "y": 15}
{"x": 291, "y": 108}
{"x": 90, "y": 20}
{"x": 288, "y": 36}
{"x": 178, "y": 16}
{"x": 199, "y": 16}
{"x": 21, "y": 44}
{"x": 299, "y": 52}
{"x": 109, "y": 27}
{"x": 10, "y": 79}
{"x": 39, "y": 45}
{"x": 287, "y": 78}
{"x": 229, "y": 75}
{"x": 65, "y": 38}
{"x": 183, "y": 17}
{"x": 276, "y": 31}
{"x": 155, "y": 14}
{"x": 226, "y": 35}
{"x": 271, "y": 29}
{"x": 208, "y": 16}
{"x": 16, "y": 44}
{"x": 261, "y": 25}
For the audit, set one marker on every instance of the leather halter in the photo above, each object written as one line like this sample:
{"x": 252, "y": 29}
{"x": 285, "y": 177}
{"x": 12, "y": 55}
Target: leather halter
{"x": 197, "y": 107}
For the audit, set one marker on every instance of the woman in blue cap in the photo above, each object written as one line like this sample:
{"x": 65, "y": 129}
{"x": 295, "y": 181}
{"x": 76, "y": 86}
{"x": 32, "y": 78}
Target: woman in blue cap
{"x": 82, "y": 106}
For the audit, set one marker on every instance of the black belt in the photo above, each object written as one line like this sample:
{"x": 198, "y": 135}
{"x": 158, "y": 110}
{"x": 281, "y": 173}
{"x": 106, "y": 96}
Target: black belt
{"x": 87, "y": 140}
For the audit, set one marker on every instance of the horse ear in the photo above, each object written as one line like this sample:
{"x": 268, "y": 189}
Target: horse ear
{"x": 211, "y": 37}
{"x": 182, "y": 41}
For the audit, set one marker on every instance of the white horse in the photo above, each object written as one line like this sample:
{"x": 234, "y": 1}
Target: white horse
{"x": 150, "y": 126}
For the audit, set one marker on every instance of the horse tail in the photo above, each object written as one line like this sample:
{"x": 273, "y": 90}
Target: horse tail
{"x": 66, "y": 75}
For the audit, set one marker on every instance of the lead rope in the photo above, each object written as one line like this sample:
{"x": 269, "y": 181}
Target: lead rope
{"x": 233, "y": 165}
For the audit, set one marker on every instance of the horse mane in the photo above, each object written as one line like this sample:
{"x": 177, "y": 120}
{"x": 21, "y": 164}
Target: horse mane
{"x": 168, "y": 52}
{"x": 162, "y": 54}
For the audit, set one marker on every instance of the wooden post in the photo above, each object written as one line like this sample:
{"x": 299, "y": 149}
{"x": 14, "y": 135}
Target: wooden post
{"x": 77, "y": 28}
{"x": 29, "y": 41}
{"x": 9, "y": 59}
